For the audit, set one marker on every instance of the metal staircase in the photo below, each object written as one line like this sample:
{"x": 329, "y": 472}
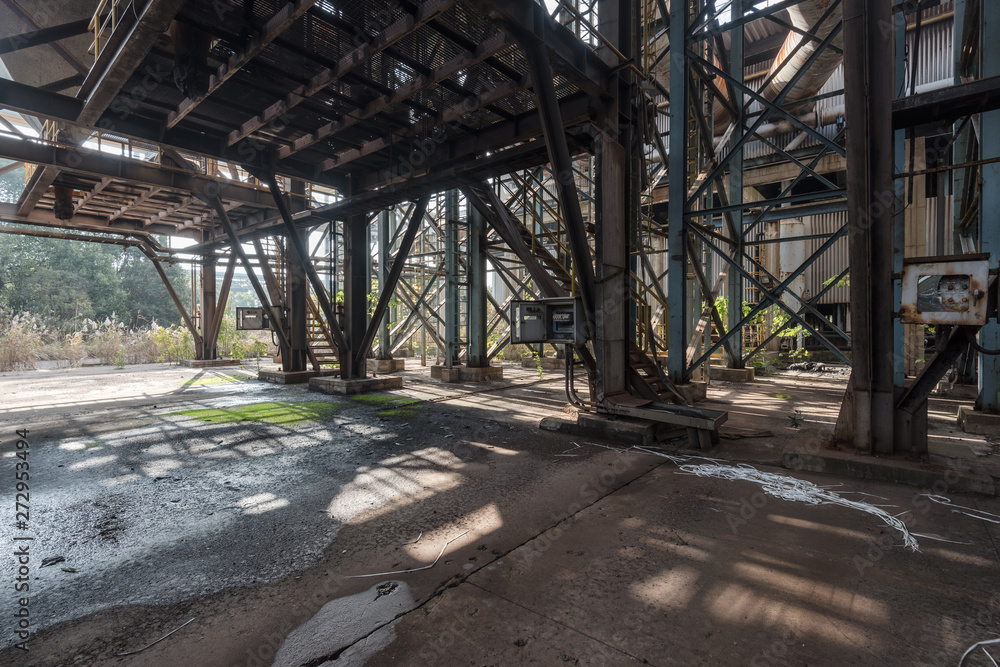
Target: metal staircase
{"x": 553, "y": 279}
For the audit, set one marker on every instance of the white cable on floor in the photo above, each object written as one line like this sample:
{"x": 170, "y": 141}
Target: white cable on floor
{"x": 979, "y": 645}
{"x": 784, "y": 488}
{"x": 979, "y": 514}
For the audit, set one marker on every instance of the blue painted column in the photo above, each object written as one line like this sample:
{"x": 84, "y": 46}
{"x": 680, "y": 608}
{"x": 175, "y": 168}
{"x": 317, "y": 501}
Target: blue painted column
{"x": 677, "y": 256}
{"x": 989, "y": 220}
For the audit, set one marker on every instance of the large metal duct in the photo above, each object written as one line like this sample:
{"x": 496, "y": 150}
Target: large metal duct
{"x": 803, "y": 16}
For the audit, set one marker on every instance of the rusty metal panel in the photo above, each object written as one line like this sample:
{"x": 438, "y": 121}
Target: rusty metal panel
{"x": 945, "y": 291}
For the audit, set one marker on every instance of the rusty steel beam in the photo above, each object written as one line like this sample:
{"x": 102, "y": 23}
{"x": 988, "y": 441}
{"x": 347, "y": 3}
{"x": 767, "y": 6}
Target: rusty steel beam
{"x": 413, "y": 87}
{"x": 347, "y": 63}
{"x": 278, "y": 23}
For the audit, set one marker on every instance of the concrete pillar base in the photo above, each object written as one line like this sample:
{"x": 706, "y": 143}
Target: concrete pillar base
{"x": 731, "y": 374}
{"x": 621, "y": 430}
{"x": 294, "y": 377}
{"x": 978, "y": 423}
{"x": 336, "y": 385}
{"x": 209, "y": 363}
{"x": 548, "y": 363}
{"x": 386, "y": 365}
{"x": 466, "y": 374}
{"x": 693, "y": 391}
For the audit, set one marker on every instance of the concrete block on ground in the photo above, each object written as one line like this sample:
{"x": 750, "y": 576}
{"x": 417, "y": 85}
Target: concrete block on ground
{"x": 616, "y": 429}
{"x": 731, "y": 374}
{"x": 959, "y": 475}
{"x": 386, "y": 365}
{"x": 693, "y": 391}
{"x": 293, "y": 377}
{"x": 548, "y": 363}
{"x": 978, "y": 423}
{"x": 337, "y": 385}
{"x": 209, "y": 363}
{"x": 465, "y": 374}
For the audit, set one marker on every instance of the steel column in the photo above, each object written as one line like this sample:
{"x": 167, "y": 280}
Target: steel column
{"x": 384, "y": 352}
{"x": 356, "y": 252}
{"x": 737, "y": 71}
{"x": 475, "y": 263}
{"x": 208, "y": 308}
{"x": 296, "y": 291}
{"x": 677, "y": 324}
{"x": 868, "y": 89}
{"x": 989, "y": 220}
{"x": 452, "y": 293}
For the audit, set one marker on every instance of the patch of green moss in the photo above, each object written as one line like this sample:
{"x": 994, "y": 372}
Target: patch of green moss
{"x": 282, "y": 414}
{"x": 400, "y": 413}
{"x": 214, "y": 379}
{"x": 394, "y": 407}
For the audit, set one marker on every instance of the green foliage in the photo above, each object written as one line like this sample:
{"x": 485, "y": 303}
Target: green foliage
{"x": 843, "y": 282}
{"x": 282, "y": 414}
{"x": 11, "y": 183}
{"x": 20, "y": 338}
{"x": 66, "y": 282}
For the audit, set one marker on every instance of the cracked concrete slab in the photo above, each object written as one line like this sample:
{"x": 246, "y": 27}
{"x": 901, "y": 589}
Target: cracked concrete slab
{"x": 343, "y": 622}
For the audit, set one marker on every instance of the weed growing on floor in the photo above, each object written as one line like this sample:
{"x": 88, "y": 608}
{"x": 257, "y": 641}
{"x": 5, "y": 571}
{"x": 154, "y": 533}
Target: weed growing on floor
{"x": 281, "y": 414}
{"x": 394, "y": 407}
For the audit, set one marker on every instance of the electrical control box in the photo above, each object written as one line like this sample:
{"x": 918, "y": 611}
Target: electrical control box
{"x": 547, "y": 321}
{"x": 251, "y": 319}
{"x": 946, "y": 290}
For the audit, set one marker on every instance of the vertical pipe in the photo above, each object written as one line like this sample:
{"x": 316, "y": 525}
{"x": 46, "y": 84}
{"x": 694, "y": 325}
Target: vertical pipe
{"x": 736, "y": 70}
{"x": 676, "y": 245}
{"x": 989, "y": 221}
{"x": 868, "y": 70}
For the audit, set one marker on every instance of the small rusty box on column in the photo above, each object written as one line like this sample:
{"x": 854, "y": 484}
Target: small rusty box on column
{"x": 945, "y": 290}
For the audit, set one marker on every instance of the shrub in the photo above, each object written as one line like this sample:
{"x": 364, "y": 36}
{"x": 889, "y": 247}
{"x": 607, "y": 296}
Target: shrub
{"x": 20, "y": 341}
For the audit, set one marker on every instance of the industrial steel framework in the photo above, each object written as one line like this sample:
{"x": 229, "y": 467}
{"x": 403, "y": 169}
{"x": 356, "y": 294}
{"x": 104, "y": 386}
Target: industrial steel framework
{"x": 405, "y": 152}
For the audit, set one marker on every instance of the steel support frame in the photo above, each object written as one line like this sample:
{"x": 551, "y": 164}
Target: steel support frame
{"x": 685, "y": 195}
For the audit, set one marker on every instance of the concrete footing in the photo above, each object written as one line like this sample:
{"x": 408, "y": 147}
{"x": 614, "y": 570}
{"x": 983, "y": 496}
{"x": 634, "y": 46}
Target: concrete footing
{"x": 465, "y": 374}
{"x": 336, "y": 385}
{"x": 547, "y": 363}
{"x": 978, "y": 423}
{"x": 209, "y": 363}
{"x": 294, "y": 377}
{"x": 731, "y": 374}
{"x": 386, "y": 365}
{"x": 609, "y": 427}
{"x": 944, "y": 474}
{"x": 693, "y": 391}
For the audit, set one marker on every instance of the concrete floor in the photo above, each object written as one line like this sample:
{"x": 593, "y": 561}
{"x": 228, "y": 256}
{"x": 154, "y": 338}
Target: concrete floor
{"x": 556, "y": 550}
